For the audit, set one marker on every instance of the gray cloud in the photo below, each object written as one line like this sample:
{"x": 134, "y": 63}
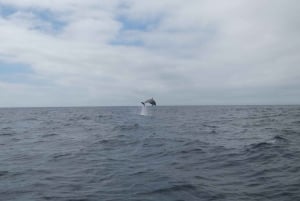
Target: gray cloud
{"x": 200, "y": 52}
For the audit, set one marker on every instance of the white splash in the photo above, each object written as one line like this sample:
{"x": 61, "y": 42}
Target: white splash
{"x": 144, "y": 111}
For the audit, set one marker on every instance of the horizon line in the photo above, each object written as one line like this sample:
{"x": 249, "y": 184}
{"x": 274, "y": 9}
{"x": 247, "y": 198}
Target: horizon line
{"x": 172, "y": 105}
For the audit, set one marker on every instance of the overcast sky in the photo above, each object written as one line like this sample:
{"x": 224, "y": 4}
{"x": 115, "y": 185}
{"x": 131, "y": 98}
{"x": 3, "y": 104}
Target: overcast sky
{"x": 120, "y": 52}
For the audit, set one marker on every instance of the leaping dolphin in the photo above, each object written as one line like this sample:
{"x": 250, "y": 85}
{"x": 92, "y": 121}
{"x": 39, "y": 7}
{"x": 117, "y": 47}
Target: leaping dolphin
{"x": 151, "y": 101}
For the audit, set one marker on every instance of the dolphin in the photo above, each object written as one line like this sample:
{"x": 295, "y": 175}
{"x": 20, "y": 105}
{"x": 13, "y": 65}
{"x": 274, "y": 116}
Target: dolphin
{"x": 151, "y": 101}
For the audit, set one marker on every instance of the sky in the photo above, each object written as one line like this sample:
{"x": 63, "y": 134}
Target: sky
{"x": 121, "y": 52}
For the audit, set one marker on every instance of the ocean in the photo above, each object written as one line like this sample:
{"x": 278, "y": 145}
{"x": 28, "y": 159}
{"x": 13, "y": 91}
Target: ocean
{"x": 164, "y": 153}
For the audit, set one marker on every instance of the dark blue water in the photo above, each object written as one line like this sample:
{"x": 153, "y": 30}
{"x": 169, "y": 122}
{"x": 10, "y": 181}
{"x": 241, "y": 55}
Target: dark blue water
{"x": 176, "y": 153}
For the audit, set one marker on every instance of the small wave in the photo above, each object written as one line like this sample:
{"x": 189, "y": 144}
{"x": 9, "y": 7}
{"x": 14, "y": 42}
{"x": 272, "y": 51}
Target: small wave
{"x": 289, "y": 131}
{"x": 260, "y": 145}
{"x": 80, "y": 117}
{"x": 106, "y": 116}
{"x": 126, "y": 127}
{"x": 175, "y": 188}
{"x": 104, "y": 141}
{"x": 3, "y": 173}
{"x": 276, "y": 140}
{"x": 7, "y": 128}
{"x": 10, "y": 174}
{"x": 279, "y": 138}
{"x": 85, "y": 118}
{"x": 190, "y": 151}
{"x": 60, "y": 155}
{"x": 138, "y": 173}
{"x": 50, "y": 135}
{"x": 112, "y": 143}
{"x": 195, "y": 143}
{"x": 31, "y": 119}
{"x": 209, "y": 126}
{"x": 7, "y": 131}
{"x": 7, "y": 134}
{"x": 297, "y": 122}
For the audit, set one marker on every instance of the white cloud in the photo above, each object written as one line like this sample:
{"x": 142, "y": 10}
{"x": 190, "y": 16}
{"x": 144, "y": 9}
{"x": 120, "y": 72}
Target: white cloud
{"x": 195, "y": 52}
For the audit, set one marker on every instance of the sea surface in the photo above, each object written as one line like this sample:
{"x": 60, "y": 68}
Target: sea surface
{"x": 154, "y": 153}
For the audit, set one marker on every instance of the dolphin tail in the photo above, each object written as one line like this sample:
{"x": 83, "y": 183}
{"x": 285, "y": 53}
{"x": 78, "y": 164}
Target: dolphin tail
{"x": 143, "y": 103}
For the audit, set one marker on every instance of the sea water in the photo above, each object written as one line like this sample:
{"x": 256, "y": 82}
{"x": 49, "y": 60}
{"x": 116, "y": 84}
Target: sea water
{"x": 176, "y": 153}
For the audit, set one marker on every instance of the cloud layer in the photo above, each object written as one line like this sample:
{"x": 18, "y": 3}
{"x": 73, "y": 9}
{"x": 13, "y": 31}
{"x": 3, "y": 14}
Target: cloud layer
{"x": 120, "y": 52}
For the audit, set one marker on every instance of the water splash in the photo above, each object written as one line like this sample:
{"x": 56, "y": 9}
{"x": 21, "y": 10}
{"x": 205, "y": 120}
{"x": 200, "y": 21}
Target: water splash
{"x": 144, "y": 111}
